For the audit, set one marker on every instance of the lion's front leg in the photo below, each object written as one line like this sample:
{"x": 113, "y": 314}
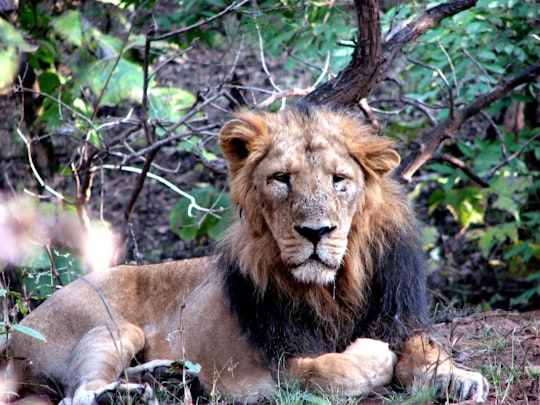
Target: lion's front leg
{"x": 423, "y": 363}
{"x": 365, "y": 365}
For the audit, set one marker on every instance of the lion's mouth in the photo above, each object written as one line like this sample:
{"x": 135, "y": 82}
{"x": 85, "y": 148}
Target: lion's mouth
{"x": 314, "y": 257}
{"x": 314, "y": 270}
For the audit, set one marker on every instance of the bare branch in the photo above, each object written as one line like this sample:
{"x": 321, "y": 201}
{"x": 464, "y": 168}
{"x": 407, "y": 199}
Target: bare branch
{"x": 429, "y": 19}
{"x": 140, "y": 183}
{"x": 371, "y": 59}
{"x": 444, "y": 130}
{"x": 363, "y": 73}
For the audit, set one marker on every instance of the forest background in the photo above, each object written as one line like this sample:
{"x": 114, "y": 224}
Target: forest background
{"x": 111, "y": 111}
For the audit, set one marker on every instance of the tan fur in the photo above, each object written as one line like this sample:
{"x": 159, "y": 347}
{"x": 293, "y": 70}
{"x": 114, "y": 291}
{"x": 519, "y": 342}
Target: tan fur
{"x": 288, "y": 174}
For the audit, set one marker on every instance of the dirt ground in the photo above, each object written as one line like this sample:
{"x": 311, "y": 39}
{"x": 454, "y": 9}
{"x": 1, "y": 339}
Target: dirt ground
{"x": 505, "y": 347}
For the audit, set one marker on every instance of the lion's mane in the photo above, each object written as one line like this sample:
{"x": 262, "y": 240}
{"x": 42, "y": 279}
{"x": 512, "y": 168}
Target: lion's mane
{"x": 384, "y": 260}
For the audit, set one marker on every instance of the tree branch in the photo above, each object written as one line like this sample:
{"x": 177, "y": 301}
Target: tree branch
{"x": 429, "y": 19}
{"x": 432, "y": 139}
{"x": 371, "y": 59}
{"x": 363, "y": 73}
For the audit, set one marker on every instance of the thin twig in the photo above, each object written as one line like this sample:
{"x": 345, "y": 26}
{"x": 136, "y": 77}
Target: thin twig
{"x": 497, "y": 132}
{"x": 511, "y": 157}
{"x": 193, "y": 203}
{"x": 461, "y": 165}
{"x": 35, "y": 172}
{"x": 453, "y": 70}
{"x": 234, "y": 6}
{"x": 443, "y": 78}
{"x": 139, "y": 186}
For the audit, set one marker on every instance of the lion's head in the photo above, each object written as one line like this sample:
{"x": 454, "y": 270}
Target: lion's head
{"x": 324, "y": 234}
{"x": 304, "y": 178}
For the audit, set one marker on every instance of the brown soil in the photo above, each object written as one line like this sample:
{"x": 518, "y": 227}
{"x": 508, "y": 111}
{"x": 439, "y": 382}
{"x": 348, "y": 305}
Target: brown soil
{"x": 505, "y": 347}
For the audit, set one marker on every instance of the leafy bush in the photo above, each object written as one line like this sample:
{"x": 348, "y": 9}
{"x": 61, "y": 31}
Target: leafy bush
{"x": 106, "y": 106}
{"x": 466, "y": 56}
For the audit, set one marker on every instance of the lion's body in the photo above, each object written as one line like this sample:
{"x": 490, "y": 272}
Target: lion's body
{"x": 156, "y": 301}
{"x": 320, "y": 276}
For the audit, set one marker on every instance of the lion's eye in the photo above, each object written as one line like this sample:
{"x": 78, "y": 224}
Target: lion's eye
{"x": 282, "y": 177}
{"x": 337, "y": 178}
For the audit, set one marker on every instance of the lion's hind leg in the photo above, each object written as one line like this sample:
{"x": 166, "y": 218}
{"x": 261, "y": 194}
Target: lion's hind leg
{"x": 98, "y": 360}
{"x": 423, "y": 364}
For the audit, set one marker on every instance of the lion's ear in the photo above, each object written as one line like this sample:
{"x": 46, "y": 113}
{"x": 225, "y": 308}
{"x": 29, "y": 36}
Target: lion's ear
{"x": 383, "y": 161}
{"x": 240, "y": 137}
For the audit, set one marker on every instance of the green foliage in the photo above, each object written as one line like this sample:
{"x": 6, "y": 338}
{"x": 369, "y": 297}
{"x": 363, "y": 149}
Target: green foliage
{"x": 461, "y": 58}
{"x": 46, "y": 271}
{"x": 496, "y": 217}
{"x": 97, "y": 69}
{"x": 9, "y": 51}
{"x": 473, "y": 50}
{"x": 84, "y": 66}
{"x": 40, "y": 274}
{"x": 292, "y": 27}
{"x": 190, "y": 224}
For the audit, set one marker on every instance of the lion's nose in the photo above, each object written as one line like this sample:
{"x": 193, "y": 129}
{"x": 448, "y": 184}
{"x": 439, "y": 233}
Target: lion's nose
{"x": 314, "y": 235}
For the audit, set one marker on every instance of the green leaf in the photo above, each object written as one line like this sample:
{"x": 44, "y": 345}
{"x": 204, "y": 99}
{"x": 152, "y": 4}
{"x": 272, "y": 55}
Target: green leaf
{"x": 69, "y": 27}
{"x": 11, "y": 39}
{"x": 467, "y": 150}
{"x": 169, "y": 104}
{"x": 125, "y": 84}
{"x": 29, "y": 331}
{"x": 466, "y": 205}
{"x": 487, "y": 55}
{"x": 507, "y": 204}
{"x": 49, "y": 81}
{"x": 10, "y": 63}
{"x": 435, "y": 199}
{"x": 201, "y": 224}
{"x": 516, "y": 250}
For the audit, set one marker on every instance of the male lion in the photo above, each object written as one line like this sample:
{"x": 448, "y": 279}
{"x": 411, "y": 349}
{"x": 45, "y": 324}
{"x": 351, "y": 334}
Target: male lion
{"x": 319, "y": 279}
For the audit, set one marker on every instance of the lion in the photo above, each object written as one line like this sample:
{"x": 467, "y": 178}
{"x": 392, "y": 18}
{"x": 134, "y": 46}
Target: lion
{"x": 320, "y": 279}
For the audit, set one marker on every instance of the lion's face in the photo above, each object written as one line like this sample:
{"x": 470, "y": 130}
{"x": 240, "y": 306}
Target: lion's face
{"x": 308, "y": 189}
{"x": 302, "y": 178}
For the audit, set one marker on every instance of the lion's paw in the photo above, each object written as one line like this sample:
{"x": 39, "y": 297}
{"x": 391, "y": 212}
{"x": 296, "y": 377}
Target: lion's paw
{"x": 461, "y": 385}
{"x": 157, "y": 369}
{"x": 109, "y": 393}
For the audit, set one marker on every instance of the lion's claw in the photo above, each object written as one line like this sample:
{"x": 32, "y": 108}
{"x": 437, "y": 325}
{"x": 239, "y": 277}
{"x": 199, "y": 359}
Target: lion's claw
{"x": 462, "y": 385}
